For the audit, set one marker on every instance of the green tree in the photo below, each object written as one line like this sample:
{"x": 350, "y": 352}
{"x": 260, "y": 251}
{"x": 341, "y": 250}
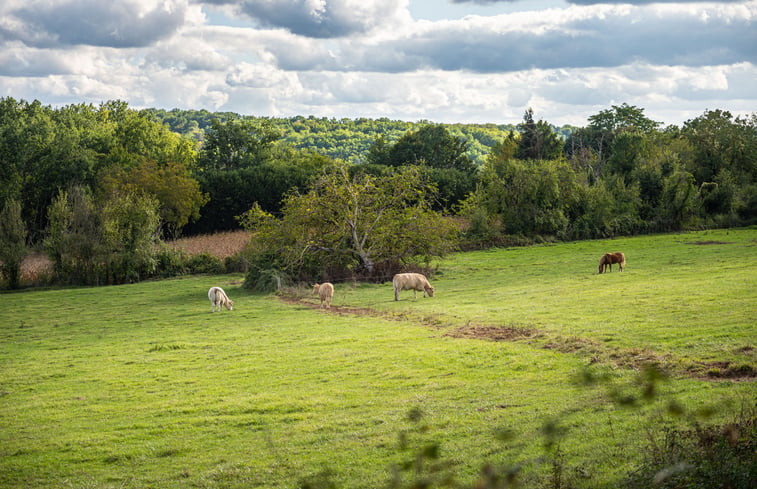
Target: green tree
{"x": 237, "y": 143}
{"x": 722, "y": 142}
{"x": 102, "y": 242}
{"x": 591, "y": 147}
{"x": 13, "y": 247}
{"x": 431, "y": 145}
{"x": 370, "y": 225}
{"x": 678, "y": 201}
{"x": 130, "y": 233}
{"x": 379, "y": 152}
{"x": 232, "y": 192}
{"x": 74, "y": 239}
{"x": 537, "y": 140}
{"x": 176, "y": 191}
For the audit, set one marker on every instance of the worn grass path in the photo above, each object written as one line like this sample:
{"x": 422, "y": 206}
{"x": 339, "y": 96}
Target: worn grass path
{"x": 141, "y": 386}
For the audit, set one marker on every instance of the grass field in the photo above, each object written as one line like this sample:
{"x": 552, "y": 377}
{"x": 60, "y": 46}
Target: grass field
{"x": 141, "y": 386}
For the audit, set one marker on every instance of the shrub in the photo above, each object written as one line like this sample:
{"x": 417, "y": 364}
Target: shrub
{"x": 12, "y": 243}
{"x": 205, "y": 263}
{"x": 236, "y": 263}
{"x": 170, "y": 262}
{"x": 702, "y": 457}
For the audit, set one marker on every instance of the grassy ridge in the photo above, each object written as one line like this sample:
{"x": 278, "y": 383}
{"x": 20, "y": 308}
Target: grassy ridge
{"x": 139, "y": 385}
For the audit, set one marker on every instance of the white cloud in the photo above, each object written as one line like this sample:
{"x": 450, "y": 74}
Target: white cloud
{"x": 123, "y": 23}
{"x": 323, "y": 18}
{"x": 372, "y": 60}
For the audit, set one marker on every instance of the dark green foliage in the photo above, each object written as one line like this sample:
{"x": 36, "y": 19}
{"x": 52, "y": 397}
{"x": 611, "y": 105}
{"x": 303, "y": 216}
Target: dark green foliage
{"x": 431, "y": 145}
{"x": 74, "y": 237}
{"x": 351, "y": 140}
{"x": 13, "y": 247}
{"x": 236, "y": 264}
{"x": 349, "y": 226}
{"x": 237, "y": 143}
{"x": 176, "y": 191}
{"x": 44, "y": 150}
{"x": 522, "y": 198}
{"x": 130, "y": 229}
{"x": 624, "y": 174}
{"x": 170, "y": 262}
{"x": 452, "y": 186}
{"x": 102, "y": 242}
{"x": 537, "y": 140}
{"x": 441, "y": 155}
{"x": 232, "y": 192}
{"x": 701, "y": 457}
{"x": 721, "y": 142}
{"x": 205, "y": 263}
{"x": 598, "y": 138}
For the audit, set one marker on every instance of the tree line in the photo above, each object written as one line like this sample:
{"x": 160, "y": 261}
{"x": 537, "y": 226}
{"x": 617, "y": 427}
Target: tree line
{"x": 98, "y": 187}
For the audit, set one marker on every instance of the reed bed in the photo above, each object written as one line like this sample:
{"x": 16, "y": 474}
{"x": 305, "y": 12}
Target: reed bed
{"x": 221, "y": 245}
{"x": 36, "y": 268}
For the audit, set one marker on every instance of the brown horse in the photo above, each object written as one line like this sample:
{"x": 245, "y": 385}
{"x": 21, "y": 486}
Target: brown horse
{"x": 609, "y": 258}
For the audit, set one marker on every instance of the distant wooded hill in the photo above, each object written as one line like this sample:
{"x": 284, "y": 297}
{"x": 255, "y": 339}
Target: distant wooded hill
{"x": 345, "y": 139}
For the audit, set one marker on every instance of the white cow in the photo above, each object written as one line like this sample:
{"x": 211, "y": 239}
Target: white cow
{"x": 219, "y": 298}
{"x": 325, "y": 291}
{"x": 411, "y": 281}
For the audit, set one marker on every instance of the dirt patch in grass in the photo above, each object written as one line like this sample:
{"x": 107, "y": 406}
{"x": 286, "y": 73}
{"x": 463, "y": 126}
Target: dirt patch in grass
{"x": 341, "y": 310}
{"x": 596, "y": 351}
{"x": 729, "y": 370}
{"x": 706, "y": 243}
{"x": 493, "y": 333}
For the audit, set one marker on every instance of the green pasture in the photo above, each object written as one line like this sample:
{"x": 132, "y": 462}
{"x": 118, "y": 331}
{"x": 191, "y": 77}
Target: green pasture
{"x": 141, "y": 386}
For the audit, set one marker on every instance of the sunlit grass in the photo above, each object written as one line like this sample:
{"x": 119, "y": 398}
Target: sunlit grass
{"x": 141, "y": 386}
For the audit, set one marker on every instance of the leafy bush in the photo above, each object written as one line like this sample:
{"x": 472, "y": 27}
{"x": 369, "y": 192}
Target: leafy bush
{"x": 348, "y": 226}
{"x": 702, "y": 457}
{"x": 236, "y": 263}
{"x": 12, "y": 243}
{"x": 170, "y": 262}
{"x": 205, "y": 263}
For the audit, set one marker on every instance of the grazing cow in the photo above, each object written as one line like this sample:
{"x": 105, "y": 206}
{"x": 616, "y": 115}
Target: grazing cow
{"x": 609, "y": 258}
{"x": 325, "y": 291}
{"x": 411, "y": 281}
{"x": 219, "y": 298}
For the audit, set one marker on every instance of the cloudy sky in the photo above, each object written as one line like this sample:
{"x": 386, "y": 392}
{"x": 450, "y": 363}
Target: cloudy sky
{"x": 439, "y": 60}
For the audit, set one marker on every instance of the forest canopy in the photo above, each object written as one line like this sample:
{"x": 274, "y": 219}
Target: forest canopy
{"x": 189, "y": 172}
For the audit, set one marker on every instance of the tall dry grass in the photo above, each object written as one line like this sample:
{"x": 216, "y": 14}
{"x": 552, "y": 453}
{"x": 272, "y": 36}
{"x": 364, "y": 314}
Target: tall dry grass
{"x": 222, "y": 245}
{"x": 37, "y": 268}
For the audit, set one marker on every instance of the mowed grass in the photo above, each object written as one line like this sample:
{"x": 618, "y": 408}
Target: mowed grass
{"x": 141, "y": 386}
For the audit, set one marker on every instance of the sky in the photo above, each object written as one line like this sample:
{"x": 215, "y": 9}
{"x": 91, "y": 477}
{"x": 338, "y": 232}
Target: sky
{"x": 466, "y": 61}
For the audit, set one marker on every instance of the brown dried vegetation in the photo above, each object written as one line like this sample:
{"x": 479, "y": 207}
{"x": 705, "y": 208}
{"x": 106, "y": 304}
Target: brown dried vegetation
{"x": 221, "y": 245}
